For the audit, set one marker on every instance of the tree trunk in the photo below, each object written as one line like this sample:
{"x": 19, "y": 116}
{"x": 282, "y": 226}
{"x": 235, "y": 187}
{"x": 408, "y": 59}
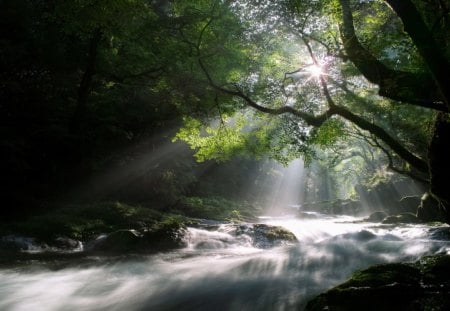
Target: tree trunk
{"x": 439, "y": 163}
{"x": 84, "y": 88}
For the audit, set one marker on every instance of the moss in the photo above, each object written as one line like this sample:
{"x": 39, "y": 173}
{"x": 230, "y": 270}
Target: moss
{"x": 216, "y": 208}
{"x": 423, "y": 285}
{"x": 435, "y": 268}
{"x": 85, "y": 221}
{"x": 279, "y": 233}
{"x": 382, "y": 275}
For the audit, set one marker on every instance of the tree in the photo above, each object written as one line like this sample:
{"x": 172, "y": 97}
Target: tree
{"x": 82, "y": 81}
{"x": 407, "y": 68}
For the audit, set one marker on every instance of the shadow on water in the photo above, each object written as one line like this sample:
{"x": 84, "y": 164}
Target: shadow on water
{"x": 218, "y": 270}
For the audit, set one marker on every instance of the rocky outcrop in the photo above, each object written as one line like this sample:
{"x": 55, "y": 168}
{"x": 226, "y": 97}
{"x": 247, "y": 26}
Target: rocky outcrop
{"x": 409, "y": 204}
{"x": 429, "y": 209}
{"x": 423, "y": 285}
{"x": 164, "y": 236}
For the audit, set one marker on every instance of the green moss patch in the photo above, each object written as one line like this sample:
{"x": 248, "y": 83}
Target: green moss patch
{"x": 423, "y": 285}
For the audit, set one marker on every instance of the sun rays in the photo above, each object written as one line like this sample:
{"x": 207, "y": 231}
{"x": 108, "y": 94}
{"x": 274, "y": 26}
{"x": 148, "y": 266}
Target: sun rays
{"x": 315, "y": 71}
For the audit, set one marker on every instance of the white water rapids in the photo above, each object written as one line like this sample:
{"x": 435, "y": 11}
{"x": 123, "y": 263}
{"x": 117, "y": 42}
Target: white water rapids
{"x": 219, "y": 271}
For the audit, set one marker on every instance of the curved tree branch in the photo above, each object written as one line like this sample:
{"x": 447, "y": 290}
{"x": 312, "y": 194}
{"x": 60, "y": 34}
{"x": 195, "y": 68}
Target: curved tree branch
{"x": 392, "y": 167}
{"x": 311, "y": 120}
{"x": 380, "y": 133}
{"x": 374, "y": 129}
{"x": 413, "y": 88}
{"x": 318, "y": 120}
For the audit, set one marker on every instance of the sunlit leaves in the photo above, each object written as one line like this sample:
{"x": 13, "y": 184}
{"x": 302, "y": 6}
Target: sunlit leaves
{"x": 219, "y": 143}
{"x": 268, "y": 60}
{"x": 329, "y": 133}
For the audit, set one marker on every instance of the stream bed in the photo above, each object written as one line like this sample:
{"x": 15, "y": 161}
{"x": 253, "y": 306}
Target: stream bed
{"x": 219, "y": 270}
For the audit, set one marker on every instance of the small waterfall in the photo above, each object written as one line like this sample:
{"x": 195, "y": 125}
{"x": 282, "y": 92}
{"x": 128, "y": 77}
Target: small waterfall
{"x": 222, "y": 268}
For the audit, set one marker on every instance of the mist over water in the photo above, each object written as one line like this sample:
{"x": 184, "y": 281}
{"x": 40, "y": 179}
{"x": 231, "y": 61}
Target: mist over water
{"x": 219, "y": 270}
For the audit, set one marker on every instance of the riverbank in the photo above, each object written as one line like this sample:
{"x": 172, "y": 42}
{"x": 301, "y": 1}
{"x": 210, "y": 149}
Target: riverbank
{"x": 224, "y": 263}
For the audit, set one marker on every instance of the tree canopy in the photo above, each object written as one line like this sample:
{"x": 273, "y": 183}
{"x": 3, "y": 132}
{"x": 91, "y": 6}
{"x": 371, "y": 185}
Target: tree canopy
{"x": 322, "y": 80}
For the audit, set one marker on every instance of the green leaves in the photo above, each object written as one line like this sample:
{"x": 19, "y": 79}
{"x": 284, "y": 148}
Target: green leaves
{"x": 219, "y": 143}
{"x": 329, "y": 133}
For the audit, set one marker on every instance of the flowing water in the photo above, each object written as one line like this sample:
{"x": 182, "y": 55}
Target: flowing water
{"x": 219, "y": 270}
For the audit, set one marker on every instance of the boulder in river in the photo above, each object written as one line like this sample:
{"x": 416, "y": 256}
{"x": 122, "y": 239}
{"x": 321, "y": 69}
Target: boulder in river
{"x": 167, "y": 235}
{"x": 266, "y": 236}
{"x": 402, "y": 218}
{"x": 65, "y": 243}
{"x": 116, "y": 242}
{"x": 377, "y": 216}
{"x": 423, "y": 285}
{"x": 163, "y": 236}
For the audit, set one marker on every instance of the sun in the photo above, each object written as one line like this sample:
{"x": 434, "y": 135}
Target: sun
{"x": 315, "y": 71}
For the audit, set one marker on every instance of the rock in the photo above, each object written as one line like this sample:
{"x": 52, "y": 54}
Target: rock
{"x": 266, "y": 236}
{"x": 429, "y": 209}
{"x": 409, "y": 204}
{"x": 383, "y": 287}
{"x": 435, "y": 268}
{"x": 401, "y": 218}
{"x": 376, "y": 216}
{"x": 116, "y": 242}
{"x": 20, "y": 243}
{"x": 165, "y": 236}
{"x": 66, "y": 243}
{"x": 423, "y": 285}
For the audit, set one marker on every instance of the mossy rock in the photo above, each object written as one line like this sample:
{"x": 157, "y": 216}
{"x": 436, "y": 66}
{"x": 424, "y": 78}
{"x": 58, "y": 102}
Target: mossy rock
{"x": 83, "y": 222}
{"x": 383, "y": 287}
{"x": 166, "y": 235}
{"x": 377, "y": 216}
{"x": 407, "y": 218}
{"x": 382, "y": 275}
{"x": 275, "y": 232}
{"x": 435, "y": 268}
{"x": 423, "y": 285}
{"x": 120, "y": 241}
{"x": 266, "y": 236}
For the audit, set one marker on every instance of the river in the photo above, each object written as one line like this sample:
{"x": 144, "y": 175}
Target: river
{"x": 218, "y": 270}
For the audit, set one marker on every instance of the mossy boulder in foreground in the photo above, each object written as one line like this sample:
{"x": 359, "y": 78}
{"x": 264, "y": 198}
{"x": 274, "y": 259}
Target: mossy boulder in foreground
{"x": 424, "y": 285}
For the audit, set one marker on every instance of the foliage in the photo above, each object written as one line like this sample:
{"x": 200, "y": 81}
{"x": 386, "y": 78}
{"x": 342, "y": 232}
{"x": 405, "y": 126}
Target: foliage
{"x": 85, "y": 221}
{"x": 84, "y": 84}
{"x": 216, "y": 208}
